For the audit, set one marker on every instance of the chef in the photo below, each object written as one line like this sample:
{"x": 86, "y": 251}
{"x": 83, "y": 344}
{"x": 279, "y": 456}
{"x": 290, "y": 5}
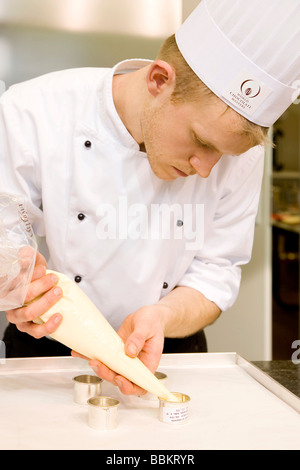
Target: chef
{"x": 145, "y": 178}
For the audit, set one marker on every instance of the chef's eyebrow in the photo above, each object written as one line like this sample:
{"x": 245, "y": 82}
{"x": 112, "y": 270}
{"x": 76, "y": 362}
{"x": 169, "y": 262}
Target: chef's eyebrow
{"x": 203, "y": 142}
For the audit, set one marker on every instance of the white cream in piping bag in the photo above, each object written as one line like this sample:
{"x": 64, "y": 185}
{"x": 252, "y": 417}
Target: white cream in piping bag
{"x": 85, "y": 330}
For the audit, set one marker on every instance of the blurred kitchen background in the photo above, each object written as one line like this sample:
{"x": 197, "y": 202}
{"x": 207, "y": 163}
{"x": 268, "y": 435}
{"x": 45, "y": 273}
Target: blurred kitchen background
{"x": 37, "y": 37}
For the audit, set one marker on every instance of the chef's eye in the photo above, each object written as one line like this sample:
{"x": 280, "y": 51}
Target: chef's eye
{"x": 201, "y": 144}
{"x": 204, "y": 146}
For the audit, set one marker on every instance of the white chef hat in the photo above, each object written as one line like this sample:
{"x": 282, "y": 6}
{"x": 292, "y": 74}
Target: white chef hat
{"x": 247, "y": 52}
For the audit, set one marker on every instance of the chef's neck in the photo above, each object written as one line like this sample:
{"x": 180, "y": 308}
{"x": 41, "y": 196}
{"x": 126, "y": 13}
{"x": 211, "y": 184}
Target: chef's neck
{"x": 128, "y": 95}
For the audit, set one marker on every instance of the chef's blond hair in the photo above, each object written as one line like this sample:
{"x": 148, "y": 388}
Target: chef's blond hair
{"x": 188, "y": 87}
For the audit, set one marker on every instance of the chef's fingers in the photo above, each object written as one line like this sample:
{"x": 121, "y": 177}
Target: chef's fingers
{"x": 105, "y": 373}
{"x": 134, "y": 333}
{"x": 25, "y": 260}
{"x": 34, "y": 309}
{"x": 40, "y": 259}
{"x": 40, "y": 286}
{"x": 134, "y": 344}
{"x": 16, "y": 285}
{"x": 99, "y": 368}
{"x": 39, "y": 331}
{"x": 40, "y": 267}
{"x": 146, "y": 344}
{"x": 26, "y": 252}
{"x": 127, "y": 387}
{"x": 26, "y": 257}
{"x": 39, "y": 271}
{"x": 76, "y": 354}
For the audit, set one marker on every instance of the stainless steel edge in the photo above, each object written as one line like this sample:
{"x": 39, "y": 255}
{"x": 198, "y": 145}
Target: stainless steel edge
{"x": 268, "y": 382}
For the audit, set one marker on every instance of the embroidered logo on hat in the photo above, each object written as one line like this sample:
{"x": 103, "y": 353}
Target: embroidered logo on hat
{"x": 246, "y": 93}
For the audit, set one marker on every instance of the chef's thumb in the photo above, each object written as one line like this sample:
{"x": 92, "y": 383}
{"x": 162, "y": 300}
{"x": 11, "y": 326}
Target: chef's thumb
{"x": 133, "y": 345}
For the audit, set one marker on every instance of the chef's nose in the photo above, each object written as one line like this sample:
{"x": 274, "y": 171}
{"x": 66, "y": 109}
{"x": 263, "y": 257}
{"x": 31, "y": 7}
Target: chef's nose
{"x": 203, "y": 164}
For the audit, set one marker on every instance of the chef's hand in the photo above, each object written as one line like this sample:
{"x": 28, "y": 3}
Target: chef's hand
{"x": 143, "y": 336}
{"x": 41, "y": 295}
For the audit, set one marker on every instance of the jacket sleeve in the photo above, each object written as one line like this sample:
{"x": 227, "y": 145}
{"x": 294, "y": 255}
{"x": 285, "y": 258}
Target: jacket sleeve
{"x": 228, "y": 239}
{"x": 19, "y": 172}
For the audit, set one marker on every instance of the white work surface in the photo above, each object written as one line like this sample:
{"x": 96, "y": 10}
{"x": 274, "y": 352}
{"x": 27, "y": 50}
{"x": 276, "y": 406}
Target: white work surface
{"x": 229, "y": 408}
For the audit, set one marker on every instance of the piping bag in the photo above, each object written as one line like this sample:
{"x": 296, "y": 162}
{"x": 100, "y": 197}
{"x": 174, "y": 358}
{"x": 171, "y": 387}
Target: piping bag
{"x": 17, "y": 252}
{"x": 83, "y": 328}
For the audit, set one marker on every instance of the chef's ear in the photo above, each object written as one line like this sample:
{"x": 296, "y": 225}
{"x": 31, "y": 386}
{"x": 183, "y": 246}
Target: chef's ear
{"x": 160, "y": 77}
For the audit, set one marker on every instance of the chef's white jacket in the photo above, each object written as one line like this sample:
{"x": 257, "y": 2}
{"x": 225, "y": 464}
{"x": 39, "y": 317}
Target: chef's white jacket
{"x": 90, "y": 191}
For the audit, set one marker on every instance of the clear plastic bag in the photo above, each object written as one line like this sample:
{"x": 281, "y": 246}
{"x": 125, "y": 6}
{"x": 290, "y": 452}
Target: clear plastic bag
{"x": 18, "y": 249}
